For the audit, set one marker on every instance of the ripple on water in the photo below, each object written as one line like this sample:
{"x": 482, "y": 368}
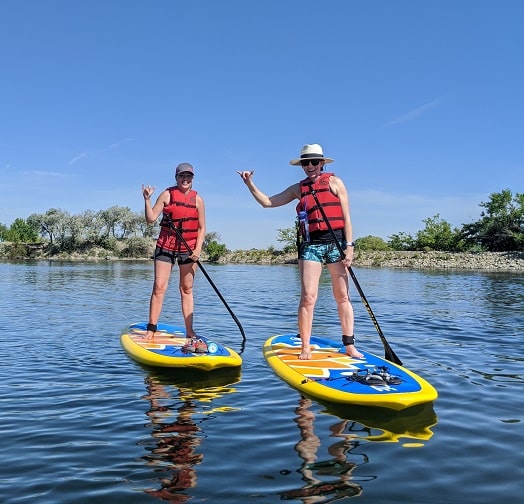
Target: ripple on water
{"x": 83, "y": 422}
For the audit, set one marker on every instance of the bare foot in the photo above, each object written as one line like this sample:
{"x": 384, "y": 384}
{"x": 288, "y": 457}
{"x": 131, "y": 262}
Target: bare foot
{"x": 150, "y": 334}
{"x": 353, "y": 352}
{"x": 305, "y": 354}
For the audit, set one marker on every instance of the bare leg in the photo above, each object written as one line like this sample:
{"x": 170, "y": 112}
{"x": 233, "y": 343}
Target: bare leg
{"x": 310, "y": 272}
{"x": 187, "y": 277}
{"x": 309, "y": 443}
{"x": 162, "y": 274}
{"x": 340, "y": 283}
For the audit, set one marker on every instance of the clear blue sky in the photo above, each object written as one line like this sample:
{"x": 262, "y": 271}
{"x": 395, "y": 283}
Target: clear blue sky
{"x": 420, "y": 103}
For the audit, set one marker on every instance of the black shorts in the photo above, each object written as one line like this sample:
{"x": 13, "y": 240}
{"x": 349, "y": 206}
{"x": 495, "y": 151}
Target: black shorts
{"x": 170, "y": 256}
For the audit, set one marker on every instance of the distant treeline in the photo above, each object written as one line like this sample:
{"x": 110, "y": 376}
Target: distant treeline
{"x": 500, "y": 228}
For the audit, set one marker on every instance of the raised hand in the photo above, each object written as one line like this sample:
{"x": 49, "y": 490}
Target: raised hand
{"x": 147, "y": 191}
{"x": 246, "y": 175}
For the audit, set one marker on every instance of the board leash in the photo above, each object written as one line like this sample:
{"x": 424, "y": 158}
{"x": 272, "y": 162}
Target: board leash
{"x": 389, "y": 353}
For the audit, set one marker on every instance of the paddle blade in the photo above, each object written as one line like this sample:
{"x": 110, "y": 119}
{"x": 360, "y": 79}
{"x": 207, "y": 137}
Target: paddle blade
{"x": 390, "y": 355}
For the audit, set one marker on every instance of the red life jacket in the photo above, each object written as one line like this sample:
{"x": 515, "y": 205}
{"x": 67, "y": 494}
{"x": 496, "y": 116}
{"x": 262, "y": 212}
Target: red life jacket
{"x": 329, "y": 202}
{"x": 182, "y": 213}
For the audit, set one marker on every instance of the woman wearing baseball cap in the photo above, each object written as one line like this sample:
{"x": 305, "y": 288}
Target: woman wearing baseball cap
{"x": 183, "y": 208}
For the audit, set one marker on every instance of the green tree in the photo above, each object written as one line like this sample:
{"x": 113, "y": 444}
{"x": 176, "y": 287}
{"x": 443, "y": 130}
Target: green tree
{"x": 130, "y": 223}
{"x": 288, "y": 236}
{"x": 63, "y": 228}
{"x": 437, "y": 235}
{"x": 91, "y": 226}
{"x": 51, "y": 224}
{"x": 402, "y": 241}
{"x": 501, "y": 225}
{"x": 3, "y": 231}
{"x": 22, "y": 231}
{"x": 371, "y": 243}
{"x": 212, "y": 247}
{"x": 209, "y": 238}
{"x": 119, "y": 222}
{"x": 75, "y": 230}
{"x": 147, "y": 230}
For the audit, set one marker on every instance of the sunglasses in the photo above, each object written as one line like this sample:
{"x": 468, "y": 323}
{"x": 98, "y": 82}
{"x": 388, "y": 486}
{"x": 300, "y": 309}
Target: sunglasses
{"x": 314, "y": 162}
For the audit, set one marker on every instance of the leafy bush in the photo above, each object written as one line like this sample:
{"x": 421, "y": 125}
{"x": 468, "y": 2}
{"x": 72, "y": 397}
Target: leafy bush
{"x": 371, "y": 243}
{"x": 402, "y": 241}
{"x": 136, "y": 247}
{"x": 110, "y": 243}
{"x": 16, "y": 250}
{"x": 215, "y": 250}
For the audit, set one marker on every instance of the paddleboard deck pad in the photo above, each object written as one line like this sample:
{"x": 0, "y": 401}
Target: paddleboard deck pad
{"x": 331, "y": 375}
{"x": 168, "y": 348}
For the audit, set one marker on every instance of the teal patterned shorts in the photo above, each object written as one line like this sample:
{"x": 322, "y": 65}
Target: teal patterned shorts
{"x": 324, "y": 253}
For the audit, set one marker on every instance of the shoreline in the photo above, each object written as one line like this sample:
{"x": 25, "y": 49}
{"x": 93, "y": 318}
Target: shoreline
{"x": 433, "y": 260}
{"x": 428, "y": 260}
{"x": 479, "y": 261}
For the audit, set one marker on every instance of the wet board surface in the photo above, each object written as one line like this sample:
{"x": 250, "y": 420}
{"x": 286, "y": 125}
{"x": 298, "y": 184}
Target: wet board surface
{"x": 333, "y": 376}
{"x": 165, "y": 349}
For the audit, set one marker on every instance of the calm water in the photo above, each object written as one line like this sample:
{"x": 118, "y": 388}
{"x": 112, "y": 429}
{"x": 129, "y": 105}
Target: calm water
{"x": 80, "y": 422}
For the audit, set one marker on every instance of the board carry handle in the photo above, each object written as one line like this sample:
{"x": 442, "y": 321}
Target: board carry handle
{"x": 184, "y": 242}
{"x": 389, "y": 354}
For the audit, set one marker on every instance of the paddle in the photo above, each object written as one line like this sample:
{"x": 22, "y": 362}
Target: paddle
{"x": 389, "y": 354}
{"x": 183, "y": 241}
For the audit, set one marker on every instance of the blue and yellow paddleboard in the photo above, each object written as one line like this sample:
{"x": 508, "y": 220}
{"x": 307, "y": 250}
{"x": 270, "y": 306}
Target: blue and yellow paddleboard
{"x": 331, "y": 375}
{"x": 165, "y": 349}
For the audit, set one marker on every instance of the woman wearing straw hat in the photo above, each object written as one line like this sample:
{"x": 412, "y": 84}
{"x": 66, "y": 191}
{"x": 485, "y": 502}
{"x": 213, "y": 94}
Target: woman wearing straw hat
{"x": 318, "y": 239}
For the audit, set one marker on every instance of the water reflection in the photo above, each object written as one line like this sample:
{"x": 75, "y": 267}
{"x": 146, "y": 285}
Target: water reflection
{"x": 177, "y": 414}
{"x": 384, "y": 425}
{"x": 332, "y": 479}
{"x": 338, "y": 467}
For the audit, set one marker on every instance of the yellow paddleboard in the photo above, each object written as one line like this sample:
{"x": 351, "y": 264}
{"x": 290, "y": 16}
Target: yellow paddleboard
{"x": 333, "y": 376}
{"x": 166, "y": 349}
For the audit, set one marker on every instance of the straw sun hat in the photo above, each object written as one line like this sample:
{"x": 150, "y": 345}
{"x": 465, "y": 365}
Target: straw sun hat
{"x": 311, "y": 151}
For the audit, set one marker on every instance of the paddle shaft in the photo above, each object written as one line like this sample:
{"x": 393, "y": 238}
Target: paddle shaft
{"x": 389, "y": 353}
{"x": 184, "y": 242}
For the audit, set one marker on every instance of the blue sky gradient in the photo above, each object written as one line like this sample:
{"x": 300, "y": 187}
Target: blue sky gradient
{"x": 420, "y": 103}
